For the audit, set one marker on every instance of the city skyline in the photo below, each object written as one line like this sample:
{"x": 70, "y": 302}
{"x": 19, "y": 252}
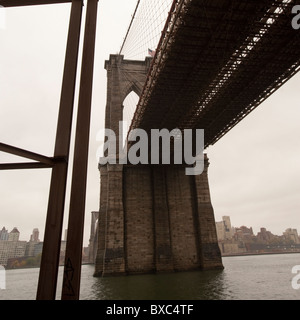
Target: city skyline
{"x": 250, "y": 227}
{"x": 232, "y": 240}
{"x": 243, "y": 241}
{"x": 255, "y": 230}
{"x": 34, "y": 236}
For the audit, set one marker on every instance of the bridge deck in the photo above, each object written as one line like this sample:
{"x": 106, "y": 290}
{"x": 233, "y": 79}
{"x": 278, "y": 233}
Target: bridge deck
{"x": 216, "y": 62}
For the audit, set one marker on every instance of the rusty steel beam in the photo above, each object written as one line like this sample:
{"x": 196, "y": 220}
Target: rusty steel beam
{"x": 24, "y": 165}
{"x": 26, "y": 154}
{"x": 22, "y": 3}
{"x": 73, "y": 258}
{"x": 54, "y": 221}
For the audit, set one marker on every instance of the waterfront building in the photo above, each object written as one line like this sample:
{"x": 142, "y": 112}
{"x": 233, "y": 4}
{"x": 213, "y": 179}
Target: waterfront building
{"x": 265, "y": 236}
{"x": 292, "y": 234}
{"x": 14, "y": 235}
{"x": 224, "y": 229}
{"x": 38, "y": 248}
{"x": 11, "y": 249}
{"x": 31, "y": 249}
{"x": 3, "y": 234}
{"x": 243, "y": 233}
{"x": 35, "y": 235}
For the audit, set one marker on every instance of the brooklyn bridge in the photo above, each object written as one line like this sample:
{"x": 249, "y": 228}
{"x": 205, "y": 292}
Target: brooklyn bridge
{"x": 215, "y": 62}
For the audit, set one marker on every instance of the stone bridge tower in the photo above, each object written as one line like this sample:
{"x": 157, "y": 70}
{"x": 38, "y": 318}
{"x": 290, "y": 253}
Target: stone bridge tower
{"x": 152, "y": 218}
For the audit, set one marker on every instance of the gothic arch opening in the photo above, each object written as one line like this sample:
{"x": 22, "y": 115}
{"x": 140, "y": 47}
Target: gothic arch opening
{"x": 129, "y": 107}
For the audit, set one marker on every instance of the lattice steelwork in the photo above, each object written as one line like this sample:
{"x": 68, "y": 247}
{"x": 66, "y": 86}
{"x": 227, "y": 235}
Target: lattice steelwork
{"x": 216, "y": 62}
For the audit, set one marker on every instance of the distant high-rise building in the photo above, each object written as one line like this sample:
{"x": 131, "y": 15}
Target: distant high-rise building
{"x": 38, "y": 248}
{"x": 34, "y": 240}
{"x": 292, "y": 234}
{"x": 243, "y": 233}
{"x": 3, "y": 234}
{"x": 35, "y": 235}
{"x": 12, "y": 247}
{"x": 264, "y": 235}
{"x": 224, "y": 229}
{"x": 14, "y": 235}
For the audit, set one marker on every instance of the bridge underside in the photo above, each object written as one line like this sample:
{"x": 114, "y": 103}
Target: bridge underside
{"x": 216, "y": 62}
{"x": 155, "y": 219}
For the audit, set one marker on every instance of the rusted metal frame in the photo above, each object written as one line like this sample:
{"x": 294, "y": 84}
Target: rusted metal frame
{"x": 73, "y": 258}
{"x": 22, "y": 3}
{"x": 52, "y": 239}
{"x": 25, "y": 165}
{"x": 26, "y": 154}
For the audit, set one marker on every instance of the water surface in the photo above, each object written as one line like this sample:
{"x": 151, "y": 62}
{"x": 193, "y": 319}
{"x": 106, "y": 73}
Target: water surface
{"x": 261, "y": 277}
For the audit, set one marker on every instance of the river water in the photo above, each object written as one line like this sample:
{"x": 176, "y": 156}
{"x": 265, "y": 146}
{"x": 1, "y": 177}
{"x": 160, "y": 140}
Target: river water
{"x": 261, "y": 277}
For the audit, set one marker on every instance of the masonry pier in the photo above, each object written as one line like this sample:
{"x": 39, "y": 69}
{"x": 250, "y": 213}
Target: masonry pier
{"x": 155, "y": 219}
{"x": 152, "y": 218}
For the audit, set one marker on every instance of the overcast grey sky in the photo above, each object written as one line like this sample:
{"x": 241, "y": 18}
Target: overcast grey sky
{"x": 255, "y": 169}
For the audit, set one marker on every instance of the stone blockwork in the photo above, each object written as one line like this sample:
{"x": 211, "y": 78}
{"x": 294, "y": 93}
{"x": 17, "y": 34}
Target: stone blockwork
{"x": 152, "y": 218}
{"x": 157, "y": 220}
{"x": 138, "y": 203}
{"x": 210, "y": 256}
{"x": 123, "y": 77}
{"x": 182, "y": 218}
